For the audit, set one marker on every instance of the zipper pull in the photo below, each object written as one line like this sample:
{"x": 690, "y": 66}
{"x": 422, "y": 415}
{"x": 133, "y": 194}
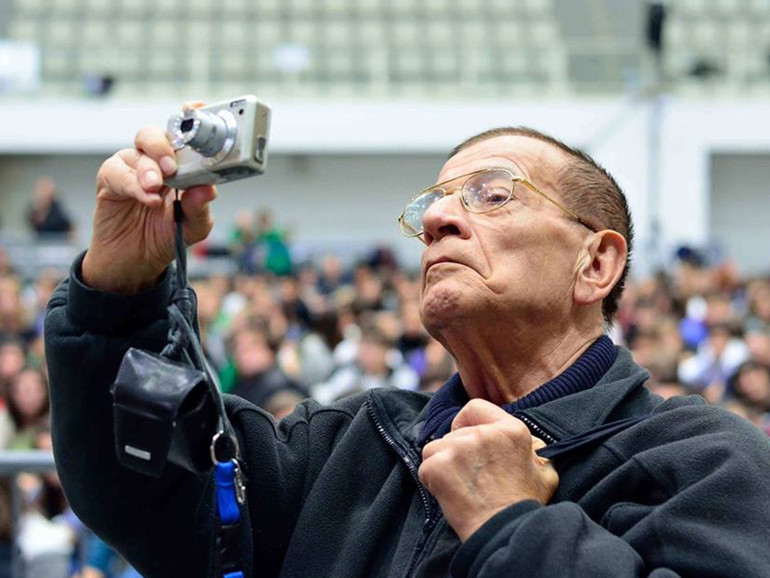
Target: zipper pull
{"x": 240, "y": 486}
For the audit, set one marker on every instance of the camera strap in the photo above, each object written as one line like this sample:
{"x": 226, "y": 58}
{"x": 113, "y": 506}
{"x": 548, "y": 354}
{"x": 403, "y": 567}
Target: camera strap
{"x": 183, "y": 344}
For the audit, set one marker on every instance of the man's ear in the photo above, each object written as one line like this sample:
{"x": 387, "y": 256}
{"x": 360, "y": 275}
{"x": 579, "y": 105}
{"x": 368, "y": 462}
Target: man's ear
{"x": 600, "y": 266}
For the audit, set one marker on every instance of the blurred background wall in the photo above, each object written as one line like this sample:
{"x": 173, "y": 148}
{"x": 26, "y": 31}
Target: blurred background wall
{"x": 369, "y": 96}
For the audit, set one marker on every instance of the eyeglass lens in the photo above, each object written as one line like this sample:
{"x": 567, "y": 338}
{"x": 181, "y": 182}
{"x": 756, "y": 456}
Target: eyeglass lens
{"x": 488, "y": 190}
{"x": 412, "y": 220}
{"x": 481, "y": 193}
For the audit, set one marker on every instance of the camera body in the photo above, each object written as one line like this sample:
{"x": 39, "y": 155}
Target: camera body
{"x": 219, "y": 143}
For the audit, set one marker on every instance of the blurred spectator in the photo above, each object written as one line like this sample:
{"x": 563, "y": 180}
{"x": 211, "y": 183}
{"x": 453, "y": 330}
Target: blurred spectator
{"x": 242, "y": 240}
{"x": 309, "y": 359}
{"x": 758, "y": 343}
{"x": 433, "y": 364}
{"x": 758, "y": 318}
{"x": 258, "y": 376}
{"x": 331, "y": 276}
{"x": 377, "y": 364}
{"x": 14, "y": 317}
{"x": 717, "y": 358}
{"x": 6, "y": 268}
{"x": 49, "y": 532}
{"x": 46, "y": 214}
{"x": 210, "y": 322}
{"x": 751, "y": 385}
{"x": 36, "y": 296}
{"x": 12, "y": 361}
{"x": 294, "y": 309}
{"x": 101, "y": 561}
{"x": 413, "y": 336}
{"x": 368, "y": 290}
{"x": 274, "y": 244}
{"x": 282, "y": 403}
{"x": 28, "y": 407}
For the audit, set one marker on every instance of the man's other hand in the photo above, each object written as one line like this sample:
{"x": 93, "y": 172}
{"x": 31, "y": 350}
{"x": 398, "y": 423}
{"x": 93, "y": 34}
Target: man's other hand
{"x": 485, "y": 464}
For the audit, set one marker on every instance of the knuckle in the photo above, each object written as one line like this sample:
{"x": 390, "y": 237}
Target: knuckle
{"x": 444, "y": 459}
{"x": 476, "y": 403}
{"x": 424, "y": 473}
{"x": 151, "y": 139}
{"x": 126, "y": 182}
{"x": 146, "y": 163}
{"x": 519, "y": 430}
{"x": 429, "y": 449}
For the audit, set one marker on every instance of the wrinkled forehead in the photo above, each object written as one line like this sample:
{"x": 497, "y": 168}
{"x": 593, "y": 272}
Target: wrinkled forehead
{"x": 536, "y": 160}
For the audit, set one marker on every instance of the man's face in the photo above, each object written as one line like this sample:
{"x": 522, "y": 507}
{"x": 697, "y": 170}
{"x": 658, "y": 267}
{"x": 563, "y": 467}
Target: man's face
{"x": 518, "y": 261}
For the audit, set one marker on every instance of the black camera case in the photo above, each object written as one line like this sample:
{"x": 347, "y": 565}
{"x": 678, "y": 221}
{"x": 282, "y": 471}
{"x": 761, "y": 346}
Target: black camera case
{"x": 163, "y": 411}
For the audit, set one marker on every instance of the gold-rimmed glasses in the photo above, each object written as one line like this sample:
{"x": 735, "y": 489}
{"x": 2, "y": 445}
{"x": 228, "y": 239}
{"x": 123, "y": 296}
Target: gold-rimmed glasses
{"x": 482, "y": 191}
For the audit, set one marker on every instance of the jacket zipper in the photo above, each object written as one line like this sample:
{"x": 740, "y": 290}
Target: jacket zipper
{"x": 427, "y": 501}
{"x": 536, "y": 428}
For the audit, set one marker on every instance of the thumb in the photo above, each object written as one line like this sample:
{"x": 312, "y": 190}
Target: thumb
{"x": 477, "y": 412}
{"x": 197, "y": 214}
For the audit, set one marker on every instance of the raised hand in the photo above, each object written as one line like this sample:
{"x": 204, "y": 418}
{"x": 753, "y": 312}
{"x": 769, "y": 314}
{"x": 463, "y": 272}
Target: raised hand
{"x": 133, "y": 227}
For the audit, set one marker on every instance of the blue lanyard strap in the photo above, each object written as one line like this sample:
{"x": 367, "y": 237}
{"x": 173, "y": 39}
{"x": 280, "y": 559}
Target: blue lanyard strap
{"x": 227, "y": 494}
{"x": 231, "y": 494}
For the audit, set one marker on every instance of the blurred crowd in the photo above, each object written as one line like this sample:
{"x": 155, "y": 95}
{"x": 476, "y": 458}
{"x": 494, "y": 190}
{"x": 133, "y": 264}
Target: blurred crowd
{"x": 703, "y": 330}
{"x": 278, "y": 332}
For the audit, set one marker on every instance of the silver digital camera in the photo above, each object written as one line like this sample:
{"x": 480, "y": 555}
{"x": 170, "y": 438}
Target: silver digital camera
{"x": 219, "y": 143}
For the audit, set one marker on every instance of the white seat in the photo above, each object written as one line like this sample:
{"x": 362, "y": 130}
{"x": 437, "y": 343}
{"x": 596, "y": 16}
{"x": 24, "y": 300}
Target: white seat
{"x": 337, "y": 32}
{"x": 440, "y": 32}
{"x": 129, "y": 33}
{"x": 57, "y": 63}
{"x": 64, "y": 7}
{"x": 235, "y": 34}
{"x": 31, "y": 7}
{"x": 99, "y": 7}
{"x": 162, "y": 65}
{"x": 372, "y": 8}
{"x": 24, "y": 29}
{"x": 302, "y": 31}
{"x": 165, "y": 33}
{"x": 372, "y": 33}
{"x": 338, "y": 62}
{"x": 405, "y": 33}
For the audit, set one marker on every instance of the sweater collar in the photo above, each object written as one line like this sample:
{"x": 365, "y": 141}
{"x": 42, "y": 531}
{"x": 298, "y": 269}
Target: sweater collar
{"x": 581, "y": 375}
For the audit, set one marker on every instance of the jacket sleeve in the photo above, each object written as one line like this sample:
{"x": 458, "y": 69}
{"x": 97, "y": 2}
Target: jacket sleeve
{"x": 163, "y": 526}
{"x": 694, "y": 507}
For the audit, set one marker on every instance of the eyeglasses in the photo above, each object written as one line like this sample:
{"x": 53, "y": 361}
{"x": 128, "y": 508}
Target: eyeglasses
{"x": 482, "y": 191}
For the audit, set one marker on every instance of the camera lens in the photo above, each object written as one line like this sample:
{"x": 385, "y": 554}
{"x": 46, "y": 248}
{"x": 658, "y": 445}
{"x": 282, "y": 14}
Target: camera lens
{"x": 187, "y": 125}
{"x": 209, "y": 134}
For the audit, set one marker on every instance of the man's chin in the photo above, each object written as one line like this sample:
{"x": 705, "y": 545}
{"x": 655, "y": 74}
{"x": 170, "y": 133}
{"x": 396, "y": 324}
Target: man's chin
{"x": 440, "y": 308}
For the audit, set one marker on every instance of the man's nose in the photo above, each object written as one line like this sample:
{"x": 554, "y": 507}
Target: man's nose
{"x": 447, "y": 216}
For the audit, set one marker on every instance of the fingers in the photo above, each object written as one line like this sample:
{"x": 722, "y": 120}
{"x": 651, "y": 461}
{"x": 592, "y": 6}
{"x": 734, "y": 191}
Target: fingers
{"x": 190, "y": 104}
{"x": 197, "y": 213}
{"x": 148, "y": 174}
{"x": 117, "y": 180}
{"x": 152, "y": 142}
{"x": 478, "y": 411}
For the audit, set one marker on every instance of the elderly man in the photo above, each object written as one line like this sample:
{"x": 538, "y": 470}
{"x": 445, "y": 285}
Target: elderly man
{"x": 544, "y": 456}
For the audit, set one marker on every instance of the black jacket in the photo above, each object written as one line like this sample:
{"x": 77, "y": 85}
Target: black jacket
{"x": 333, "y": 491}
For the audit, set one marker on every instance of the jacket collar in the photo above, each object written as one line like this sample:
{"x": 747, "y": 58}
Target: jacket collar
{"x": 617, "y": 395}
{"x": 583, "y": 374}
